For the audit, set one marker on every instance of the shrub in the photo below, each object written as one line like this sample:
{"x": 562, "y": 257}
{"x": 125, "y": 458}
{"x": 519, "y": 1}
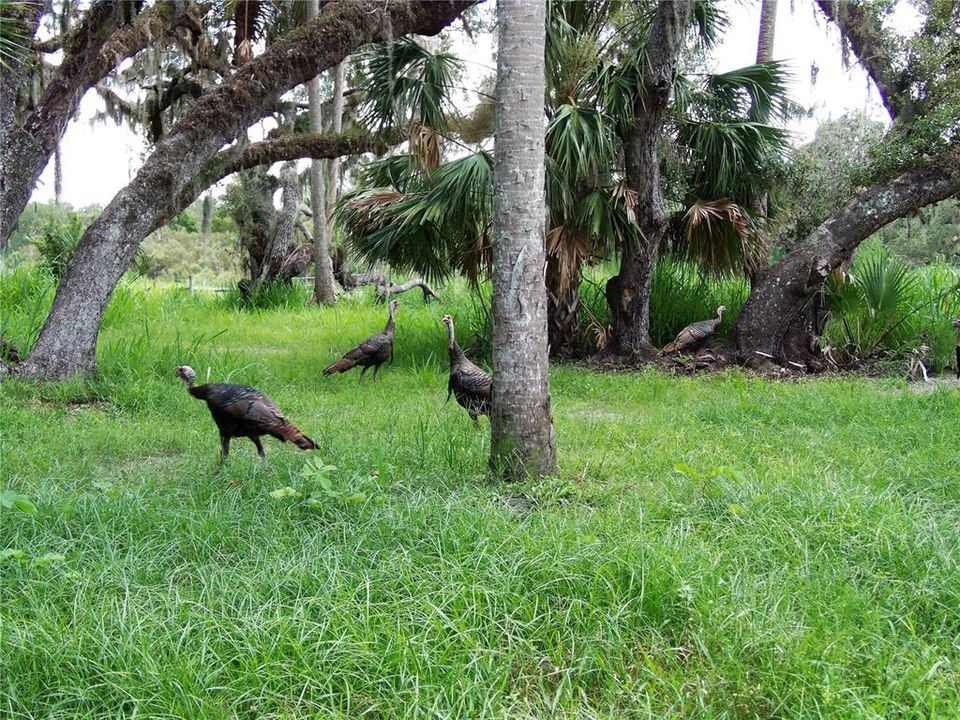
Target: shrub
{"x": 56, "y": 243}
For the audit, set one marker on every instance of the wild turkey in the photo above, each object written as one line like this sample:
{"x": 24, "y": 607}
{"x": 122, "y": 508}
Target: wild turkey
{"x": 695, "y": 334}
{"x": 956, "y": 326}
{"x": 242, "y": 411}
{"x": 375, "y": 350}
{"x": 468, "y": 383}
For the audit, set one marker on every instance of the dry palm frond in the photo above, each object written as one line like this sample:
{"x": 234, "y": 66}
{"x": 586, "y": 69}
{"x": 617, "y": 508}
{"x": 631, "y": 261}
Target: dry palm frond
{"x": 571, "y": 248}
{"x": 365, "y": 210}
{"x": 723, "y": 237}
{"x": 425, "y": 146}
{"x": 625, "y": 194}
{"x": 242, "y": 54}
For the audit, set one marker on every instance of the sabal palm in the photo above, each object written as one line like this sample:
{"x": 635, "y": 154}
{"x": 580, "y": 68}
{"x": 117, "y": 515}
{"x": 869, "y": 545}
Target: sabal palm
{"x": 436, "y": 224}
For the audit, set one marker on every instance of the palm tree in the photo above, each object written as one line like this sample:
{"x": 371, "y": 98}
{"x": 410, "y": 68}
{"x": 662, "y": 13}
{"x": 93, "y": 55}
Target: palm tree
{"x": 522, "y": 437}
{"x": 720, "y": 145}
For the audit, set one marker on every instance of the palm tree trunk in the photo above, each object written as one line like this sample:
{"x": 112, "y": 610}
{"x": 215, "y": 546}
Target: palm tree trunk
{"x": 628, "y": 294}
{"x": 336, "y": 126}
{"x": 323, "y": 282}
{"x": 523, "y": 441}
{"x": 768, "y": 27}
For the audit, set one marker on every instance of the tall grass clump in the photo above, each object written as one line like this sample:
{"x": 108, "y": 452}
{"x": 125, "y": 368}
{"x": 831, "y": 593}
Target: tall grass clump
{"x": 681, "y": 294}
{"x": 272, "y": 296}
{"x": 26, "y": 294}
{"x": 882, "y": 307}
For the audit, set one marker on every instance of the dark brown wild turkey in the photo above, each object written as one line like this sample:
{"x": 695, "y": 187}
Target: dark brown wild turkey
{"x": 695, "y": 334}
{"x": 468, "y": 384}
{"x": 242, "y": 411}
{"x": 375, "y": 350}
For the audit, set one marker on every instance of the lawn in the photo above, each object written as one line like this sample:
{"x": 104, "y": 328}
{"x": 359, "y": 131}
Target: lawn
{"x": 803, "y": 562}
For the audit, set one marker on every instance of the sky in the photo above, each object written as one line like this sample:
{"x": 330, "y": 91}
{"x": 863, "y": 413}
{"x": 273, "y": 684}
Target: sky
{"x": 100, "y": 159}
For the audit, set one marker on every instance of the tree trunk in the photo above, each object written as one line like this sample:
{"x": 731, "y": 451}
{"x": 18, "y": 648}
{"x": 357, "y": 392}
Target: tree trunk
{"x": 324, "y": 290}
{"x": 336, "y": 126}
{"x": 628, "y": 294}
{"x": 91, "y": 50}
{"x": 768, "y": 28}
{"x": 67, "y": 342}
{"x": 564, "y": 328}
{"x": 523, "y": 441}
{"x": 765, "y": 38}
{"x": 783, "y": 317}
{"x": 281, "y": 239}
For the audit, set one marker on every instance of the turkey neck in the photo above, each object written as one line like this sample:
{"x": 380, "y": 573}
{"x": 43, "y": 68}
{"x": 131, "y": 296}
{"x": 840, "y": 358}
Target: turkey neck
{"x": 390, "y": 324}
{"x": 201, "y": 392}
{"x": 455, "y": 352}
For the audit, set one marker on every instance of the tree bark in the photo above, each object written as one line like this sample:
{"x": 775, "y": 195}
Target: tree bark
{"x": 523, "y": 441}
{"x": 628, "y": 294}
{"x": 91, "y": 51}
{"x": 768, "y": 29}
{"x": 324, "y": 286}
{"x": 336, "y": 126}
{"x": 67, "y": 342}
{"x": 782, "y": 317}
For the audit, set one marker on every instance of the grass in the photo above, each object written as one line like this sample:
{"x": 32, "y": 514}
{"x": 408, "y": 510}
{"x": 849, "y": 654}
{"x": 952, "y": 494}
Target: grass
{"x": 805, "y": 566}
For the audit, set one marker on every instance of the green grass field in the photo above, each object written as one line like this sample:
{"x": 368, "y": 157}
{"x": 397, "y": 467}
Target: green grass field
{"x": 806, "y": 564}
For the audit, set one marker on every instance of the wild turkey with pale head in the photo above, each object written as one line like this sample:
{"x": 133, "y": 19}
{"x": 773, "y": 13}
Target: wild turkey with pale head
{"x": 470, "y": 385}
{"x": 375, "y": 350}
{"x": 695, "y": 334}
{"x": 243, "y": 411}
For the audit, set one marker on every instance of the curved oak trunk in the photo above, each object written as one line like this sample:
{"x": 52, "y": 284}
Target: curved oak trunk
{"x": 67, "y": 343}
{"x": 783, "y": 317}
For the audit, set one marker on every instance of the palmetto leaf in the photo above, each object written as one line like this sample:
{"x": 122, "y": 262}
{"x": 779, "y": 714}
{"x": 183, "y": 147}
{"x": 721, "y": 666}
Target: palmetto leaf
{"x": 721, "y": 236}
{"x": 439, "y": 226}
{"x": 758, "y": 91}
{"x": 405, "y": 81}
{"x": 13, "y": 43}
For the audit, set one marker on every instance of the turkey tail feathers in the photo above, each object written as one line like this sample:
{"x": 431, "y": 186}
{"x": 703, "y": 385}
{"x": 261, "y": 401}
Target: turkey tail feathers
{"x": 290, "y": 432}
{"x": 339, "y": 366}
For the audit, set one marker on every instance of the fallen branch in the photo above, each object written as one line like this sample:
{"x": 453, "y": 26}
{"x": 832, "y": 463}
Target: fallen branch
{"x": 384, "y": 291}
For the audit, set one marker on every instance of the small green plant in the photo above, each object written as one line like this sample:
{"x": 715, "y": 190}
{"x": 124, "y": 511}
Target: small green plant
{"x": 318, "y": 475}
{"x": 11, "y": 499}
{"x": 873, "y": 303}
{"x": 57, "y": 242}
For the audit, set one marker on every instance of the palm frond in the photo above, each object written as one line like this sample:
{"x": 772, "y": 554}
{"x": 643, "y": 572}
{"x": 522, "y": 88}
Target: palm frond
{"x": 721, "y": 236}
{"x": 439, "y": 227}
{"x": 13, "y": 42}
{"x": 709, "y": 21}
{"x": 405, "y": 81}
{"x": 757, "y": 92}
{"x": 728, "y": 159}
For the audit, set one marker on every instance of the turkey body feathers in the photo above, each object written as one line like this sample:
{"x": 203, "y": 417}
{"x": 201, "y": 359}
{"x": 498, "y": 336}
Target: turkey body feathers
{"x": 470, "y": 385}
{"x": 243, "y": 411}
{"x": 374, "y": 351}
{"x": 694, "y": 334}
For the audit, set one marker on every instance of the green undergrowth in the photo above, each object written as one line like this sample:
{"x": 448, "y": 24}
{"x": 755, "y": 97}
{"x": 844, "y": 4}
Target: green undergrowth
{"x": 712, "y": 547}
